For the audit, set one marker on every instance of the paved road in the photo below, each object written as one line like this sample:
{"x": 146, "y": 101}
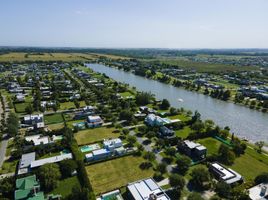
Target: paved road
{"x": 158, "y": 157}
{"x": 7, "y": 175}
{"x": 3, "y": 147}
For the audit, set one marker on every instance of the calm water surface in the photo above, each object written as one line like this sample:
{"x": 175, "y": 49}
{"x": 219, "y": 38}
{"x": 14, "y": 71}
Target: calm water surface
{"x": 243, "y": 121}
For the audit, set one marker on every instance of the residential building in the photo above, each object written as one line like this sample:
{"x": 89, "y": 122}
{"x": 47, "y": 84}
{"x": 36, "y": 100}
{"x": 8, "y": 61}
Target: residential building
{"x": 146, "y": 189}
{"x": 28, "y": 188}
{"x": 94, "y": 121}
{"x": 37, "y": 120}
{"x": 100, "y": 154}
{"x": 227, "y": 175}
{"x": 193, "y": 150}
{"x": 166, "y": 132}
{"x": 259, "y": 192}
{"x": 112, "y": 144}
{"x": 25, "y": 162}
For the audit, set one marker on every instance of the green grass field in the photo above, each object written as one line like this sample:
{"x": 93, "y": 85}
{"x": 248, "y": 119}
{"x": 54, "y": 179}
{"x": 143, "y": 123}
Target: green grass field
{"x": 65, "y": 186}
{"x": 183, "y": 133}
{"x": 109, "y": 175}
{"x": 93, "y": 135}
{"x": 53, "y": 118}
{"x": 20, "y": 107}
{"x": 250, "y": 164}
{"x": 211, "y": 144}
{"x": 203, "y": 67}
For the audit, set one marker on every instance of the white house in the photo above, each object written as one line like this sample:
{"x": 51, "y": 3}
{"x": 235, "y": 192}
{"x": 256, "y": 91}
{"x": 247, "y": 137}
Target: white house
{"x": 146, "y": 189}
{"x": 112, "y": 144}
{"x": 94, "y": 121}
{"x": 259, "y": 192}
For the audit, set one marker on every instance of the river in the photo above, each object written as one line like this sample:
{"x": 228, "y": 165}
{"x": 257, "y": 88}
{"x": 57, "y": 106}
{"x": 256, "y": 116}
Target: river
{"x": 243, "y": 121}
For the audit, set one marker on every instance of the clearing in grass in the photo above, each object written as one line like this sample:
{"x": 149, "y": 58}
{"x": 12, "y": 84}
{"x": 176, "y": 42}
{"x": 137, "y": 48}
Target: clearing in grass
{"x": 53, "y": 118}
{"x": 112, "y": 174}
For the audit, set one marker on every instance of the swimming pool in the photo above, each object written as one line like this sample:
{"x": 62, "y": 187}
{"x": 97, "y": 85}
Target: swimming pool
{"x": 88, "y": 148}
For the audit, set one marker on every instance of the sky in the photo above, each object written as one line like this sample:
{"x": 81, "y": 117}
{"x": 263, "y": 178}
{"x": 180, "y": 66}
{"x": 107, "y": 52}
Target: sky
{"x": 135, "y": 23}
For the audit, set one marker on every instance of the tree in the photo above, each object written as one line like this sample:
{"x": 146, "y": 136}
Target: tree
{"x": 176, "y": 181}
{"x": 131, "y": 140}
{"x": 77, "y": 103}
{"x": 165, "y": 104}
{"x": 196, "y": 117}
{"x": 183, "y": 164}
{"x": 194, "y": 196}
{"x": 49, "y": 175}
{"x": 67, "y": 167}
{"x": 262, "y": 178}
{"x": 12, "y": 124}
{"x": 29, "y": 109}
{"x": 162, "y": 168}
{"x": 226, "y": 155}
{"x": 149, "y": 156}
{"x": 200, "y": 178}
{"x": 223, "y": 189}
{"x": 7, "y": 186}
{"x": 143, "y": 98}
{"x": 259, "y": 144}
{"x": 126, "y": 115}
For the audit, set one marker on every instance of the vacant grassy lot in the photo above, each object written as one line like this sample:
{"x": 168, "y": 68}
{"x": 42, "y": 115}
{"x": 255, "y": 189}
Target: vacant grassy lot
{"x": 93, "y": 135}
{"x": 56, "y": 126}
{"x": 53, "y": 118}
{"x": 65, "y": 186}
{"x": 183, "y": 133}
{"x": 211, "y": 144}
{"x": 109, "y": 175}
{"x": 67, "y": 105}
{"x": 250, "y": 164}
{"x": 20, "y": 107}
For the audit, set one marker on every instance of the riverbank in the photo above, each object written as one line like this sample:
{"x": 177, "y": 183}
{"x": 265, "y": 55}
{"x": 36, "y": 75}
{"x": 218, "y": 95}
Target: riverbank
{"x": 243, "y": 122}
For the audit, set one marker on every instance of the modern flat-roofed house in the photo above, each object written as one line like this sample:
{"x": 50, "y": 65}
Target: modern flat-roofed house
{"x": 259, "y": 192}
{"x": 112, "y": 144}
{"x": 37, "y": 120}
{"x": 146, "y": 189}
{"x": 100, "y": 154}
{"x": 38, "y": 139}
{"x": 226, "y": 175}
{"x": 94, "y": 121}
{"x": 193, "y": 150}
{"x": 89, "y": 109}
{"x": 25, "y": 163}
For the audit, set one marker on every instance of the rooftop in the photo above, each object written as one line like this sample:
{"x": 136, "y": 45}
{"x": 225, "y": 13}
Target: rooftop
{"x": 146, "y": 189}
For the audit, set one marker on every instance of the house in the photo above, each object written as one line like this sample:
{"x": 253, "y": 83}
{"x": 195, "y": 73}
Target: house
{"x": 28, "y": 188}
{"x": 54, "y": 159}
{"x": 37, "y": 120}
{"x": 89, "y": 109}
{"x": 100, "y": 154}
{"x": 146, "y": 189}
{"x": 20, "y": 97}
{"x": 193, "y": 150}
{"x": 94, "y": 121}
{"x": 259, "y": 192}
{"x": 38, "y": 139}
{"x": 166, "y": 132}
{"x": 154, "y": 120}
{"x": 226, "y": 175}
{"x": 112, "y": 144}
{"x": 25, "y": 162}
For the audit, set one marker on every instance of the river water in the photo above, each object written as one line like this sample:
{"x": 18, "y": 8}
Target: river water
{"x": 243, "y": 121}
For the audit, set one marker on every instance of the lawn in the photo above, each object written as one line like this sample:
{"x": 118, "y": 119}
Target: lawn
{"x": 94, "y": 135}
{"x": 20, "y": 107}
{"x": 67, "y": 105}
{"x": 250, "y": 164}
{"x": 211, "y": 144}
{"x": 53, "y": 118}
{"x": 180, "y": 117}
{"x": 183, "y": 133}
{"x": 65, "y": 186}
{"x": 56, "y": 126}
{"x": 8, "y": 166}
{"x": 109, "y": 175}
